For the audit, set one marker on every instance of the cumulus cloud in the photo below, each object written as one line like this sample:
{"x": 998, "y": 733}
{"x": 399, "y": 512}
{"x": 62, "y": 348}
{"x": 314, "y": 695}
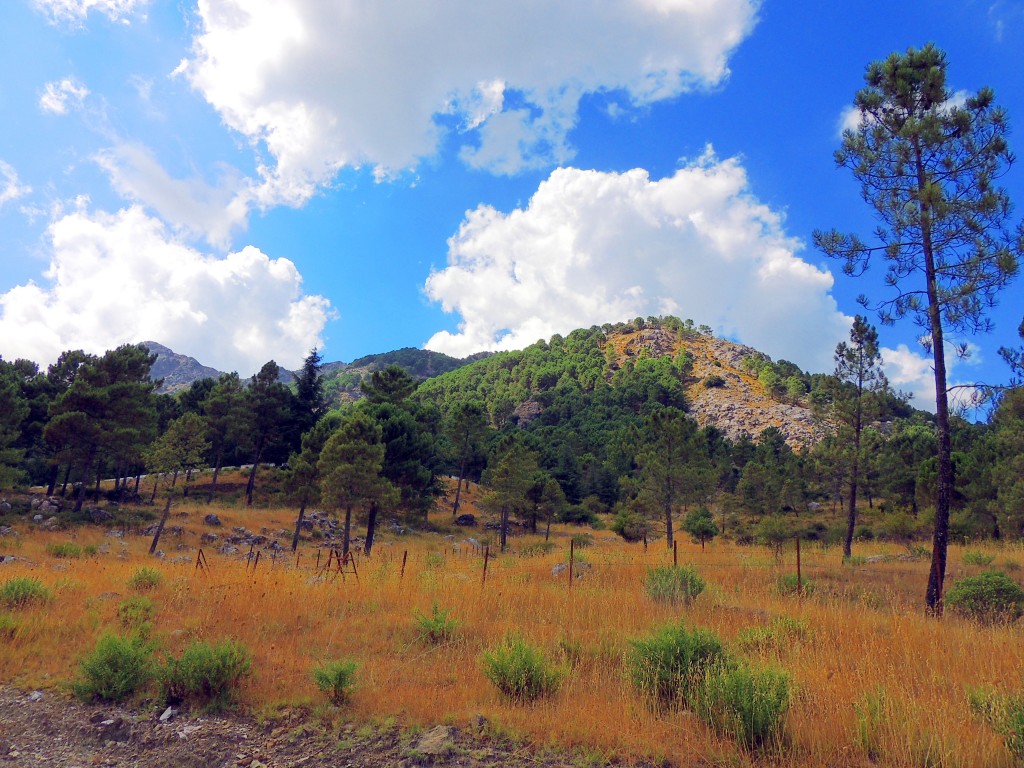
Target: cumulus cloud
{"x": 317, "y": 86}
{"x": 10, "y": 187}
{"x": 119, "y": 278}
{"x": 61, "y": 95}
{"x": 191, "y": 205}
{"x": 913, "y": 373}
{"x": 595, "y": 247}
{"x": 75, "y": 11}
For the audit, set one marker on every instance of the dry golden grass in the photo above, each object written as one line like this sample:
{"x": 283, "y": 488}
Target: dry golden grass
{"x": 866, "y": 632}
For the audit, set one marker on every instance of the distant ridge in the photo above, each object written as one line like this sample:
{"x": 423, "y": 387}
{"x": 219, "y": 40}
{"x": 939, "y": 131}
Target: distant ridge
{"x": 341, "y": 380}
{"x": 176, "y": 372}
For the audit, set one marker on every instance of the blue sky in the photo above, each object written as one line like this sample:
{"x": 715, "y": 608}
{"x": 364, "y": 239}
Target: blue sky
{"x": 246, "y": 179}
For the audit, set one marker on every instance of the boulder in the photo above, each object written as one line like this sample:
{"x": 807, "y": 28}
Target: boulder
{"x": 466, "y": 520}
{"x": 212, "y": 520}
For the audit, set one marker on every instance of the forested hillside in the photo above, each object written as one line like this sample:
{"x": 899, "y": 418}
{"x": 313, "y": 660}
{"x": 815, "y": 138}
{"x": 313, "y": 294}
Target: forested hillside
{"x": 653, "y": 422}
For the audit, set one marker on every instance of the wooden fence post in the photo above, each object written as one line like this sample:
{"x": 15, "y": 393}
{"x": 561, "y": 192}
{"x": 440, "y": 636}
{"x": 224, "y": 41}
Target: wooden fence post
{"x": 487, "y": 554}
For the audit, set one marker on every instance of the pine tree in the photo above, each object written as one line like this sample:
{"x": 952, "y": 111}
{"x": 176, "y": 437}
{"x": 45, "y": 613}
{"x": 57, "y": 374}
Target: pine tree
{"x": 929, "y": 168}
{"x": 858, "y": 367}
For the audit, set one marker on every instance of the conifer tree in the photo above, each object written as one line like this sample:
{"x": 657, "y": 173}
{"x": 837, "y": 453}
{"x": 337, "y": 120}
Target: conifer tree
{"x": 929, "y": 168}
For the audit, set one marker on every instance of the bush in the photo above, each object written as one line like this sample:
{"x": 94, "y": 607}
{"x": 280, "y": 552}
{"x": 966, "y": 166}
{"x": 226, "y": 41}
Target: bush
{"x": 520, "y": 671}
{"x": 116, "y": 668}
{"x": 71, "y": 551}
{"x": 145, "y": 578}
{"x": 713, "y": 382}
{"x": 747, "y": 704}
{"x": 988, "y": 597}
{"x": 23, "y": 591}
{"x": 781, "y": 633}
{"x": 673, "y": 585}
{"x": 538, "y": 549}
{"x": 206, "y": 673}
{"x": 788, "y": 585}
{"x": 337, "y": 679}
{"x": 136, "y": 613}
{"x": 582, "y": 540}
{"x": 973, "y": 557}
{"x": 631, "y": 525}
{"x": 666, "y": 664}
{"x": 437, "y": 628}
{"x": 8, "y": 626}
{"x": 1005, "y": 714}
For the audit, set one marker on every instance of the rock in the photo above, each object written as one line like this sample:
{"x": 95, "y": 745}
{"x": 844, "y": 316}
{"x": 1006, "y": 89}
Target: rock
{"x": 52, "y": 524}
{"x": 6, "y": 530}
{"x": 209, "y": 538}
{"x": 117, "y": 730}
{"x": 5, "y": 506}
{"x": 168, "y": 714}
{"x": 437, "y": 741}
{"x": 98, "y": 515}
{"x": 578, "y": 569}
{"x": 37, "y": 518}
{"x": 49, "y": 508}
{"x": 35, "y": 696}
{"x": 212, "y": 519}
{"x": 466, "y": 520}
{"x": 227, "y": 549}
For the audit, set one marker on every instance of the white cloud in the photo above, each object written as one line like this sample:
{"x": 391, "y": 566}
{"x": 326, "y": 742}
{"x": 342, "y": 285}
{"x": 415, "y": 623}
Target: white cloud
{"x": 75, "y": 11}
{"x": 318, "y": 86}
{"x": 58, "y": 96}
{"x": 595, "y": 247}
{"x": 118, "y": 278}
{"x": 914, "y": 373}
{"x": 10, "y": 187}
{"x": 191, "y": 205}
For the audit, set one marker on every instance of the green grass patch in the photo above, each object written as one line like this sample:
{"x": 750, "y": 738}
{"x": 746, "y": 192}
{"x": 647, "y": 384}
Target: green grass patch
{"x": 667, "y": 584}
{"x": 23, "y": 591}
{"x": 337, "y": 679}
{"x": 520, "y": 670}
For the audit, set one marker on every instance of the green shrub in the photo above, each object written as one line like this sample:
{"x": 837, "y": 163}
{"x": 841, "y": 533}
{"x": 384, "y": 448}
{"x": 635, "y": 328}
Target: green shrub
{"x": 136, "y": 613}
{"x": 1005, "y": 714}
{"x": 8, "y": 627}
{"x": 872, "y": 713}
{"x": 988, "y": 597}
{"x": 713, "y": 382}
{"x": 115, "y": 669}
{"x": 64, "y": 550}
{"x": 973, "y": 557}
{"x": 781, "y": 633}
{"x": 630, "y": 525}
{"x": 434, "y": 560}
{"x": 208, "y": 674}
{"x": 747, "y": 704}
{"x": 437, "y": 628}
{"x": 520, "y": 671}
{"x": 23, "y": 591}
{"x": 540, "y": 548}
{"x": 337, "y": 679}
{"x": 666, "y": 664}
{"x": 582, "y": 540}
{"x": 145, "y": 578}
{"x": 673, "y": 585}
{"x": 787, "y": 585}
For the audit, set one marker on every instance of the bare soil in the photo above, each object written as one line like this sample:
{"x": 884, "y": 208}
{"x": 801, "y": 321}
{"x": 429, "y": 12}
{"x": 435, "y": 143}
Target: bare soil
{"x": 46, "y": 728}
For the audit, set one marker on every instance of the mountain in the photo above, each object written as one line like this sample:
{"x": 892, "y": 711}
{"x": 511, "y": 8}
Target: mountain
{"x": 613, "y": 373}
{"x": 341, "y": 380}
{"x": 176, "y": 372}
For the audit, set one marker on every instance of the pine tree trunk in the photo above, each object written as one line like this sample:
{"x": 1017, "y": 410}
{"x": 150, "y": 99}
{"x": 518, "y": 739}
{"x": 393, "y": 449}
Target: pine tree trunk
{"x": 371, "y": 528}
{"x": 458, "y": 488}
{"x": 216, "y": 474}
{"x": 160, "y": 527}
{"x": 54, "y": 474}
{"x": 64, "y": 486}
{"x": 298, "y": 524}
{"x": 252, "y": 474}
{"x": 347, "y": 531}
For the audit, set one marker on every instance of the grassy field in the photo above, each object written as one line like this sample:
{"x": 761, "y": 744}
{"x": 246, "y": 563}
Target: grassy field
{"x": 875, "y": 681}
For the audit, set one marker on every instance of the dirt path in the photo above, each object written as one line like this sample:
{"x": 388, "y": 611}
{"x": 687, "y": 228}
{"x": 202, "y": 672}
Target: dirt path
{"x": 48, "y": 729}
